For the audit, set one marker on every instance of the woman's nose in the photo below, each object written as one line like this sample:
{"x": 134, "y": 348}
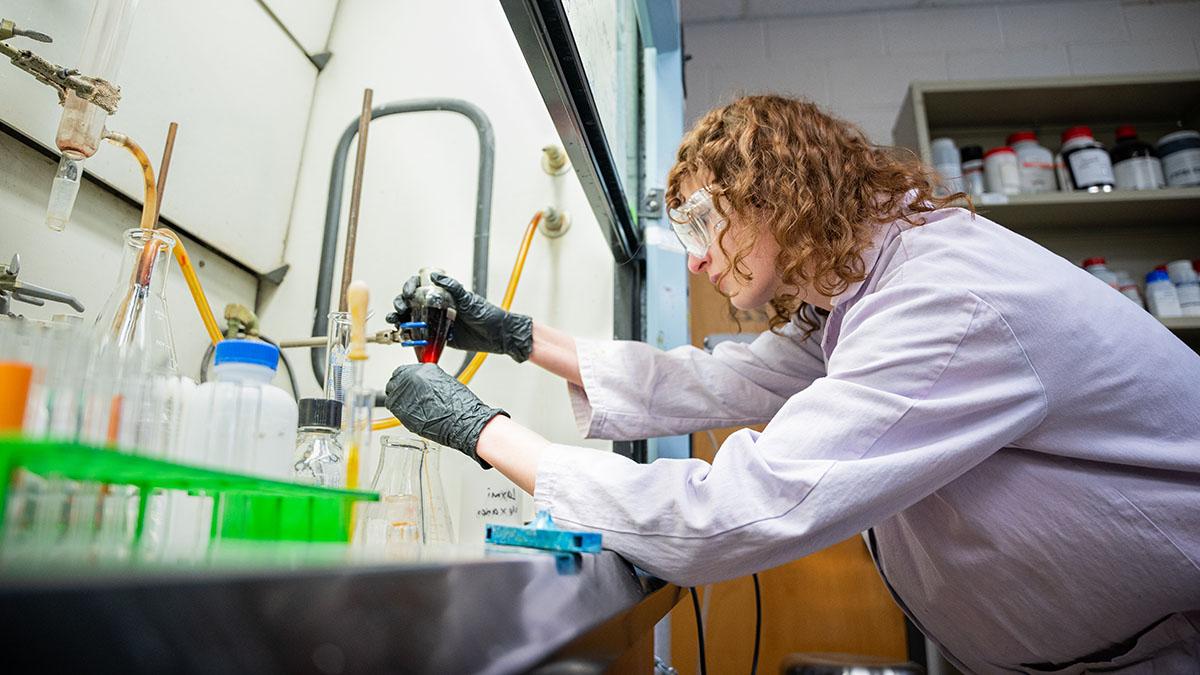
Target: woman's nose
{"x": 696, "y": 264}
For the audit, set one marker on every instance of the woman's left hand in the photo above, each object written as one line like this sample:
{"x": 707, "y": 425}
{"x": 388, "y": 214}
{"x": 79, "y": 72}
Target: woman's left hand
{"x": 431, "y": 403}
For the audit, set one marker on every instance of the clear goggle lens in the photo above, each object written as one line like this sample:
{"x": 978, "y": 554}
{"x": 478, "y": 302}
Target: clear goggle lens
{"x": 696, "y": 223}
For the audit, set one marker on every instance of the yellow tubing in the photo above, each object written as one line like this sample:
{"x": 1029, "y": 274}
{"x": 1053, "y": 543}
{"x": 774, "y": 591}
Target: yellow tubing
{"x": 150, "y": 201}
{"x": 150, "y": 191}
{"x": 505, "y": 303}
{"x": 197, "y": 291}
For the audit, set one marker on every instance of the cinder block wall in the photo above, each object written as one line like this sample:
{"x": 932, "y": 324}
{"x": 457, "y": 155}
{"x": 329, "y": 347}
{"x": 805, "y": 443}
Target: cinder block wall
{"x": 860, "y": 64}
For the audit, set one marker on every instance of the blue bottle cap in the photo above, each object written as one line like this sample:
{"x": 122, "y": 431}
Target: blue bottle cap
{"x": 1157, "y": 275}
{"x": 246, "y": 351}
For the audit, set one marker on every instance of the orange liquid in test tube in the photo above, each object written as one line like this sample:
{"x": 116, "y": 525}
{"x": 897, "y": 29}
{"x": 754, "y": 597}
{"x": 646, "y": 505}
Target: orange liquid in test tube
{"x": 15, "y": 377}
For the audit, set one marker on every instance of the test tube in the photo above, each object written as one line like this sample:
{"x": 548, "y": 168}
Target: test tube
{"x": 337, "y": 356}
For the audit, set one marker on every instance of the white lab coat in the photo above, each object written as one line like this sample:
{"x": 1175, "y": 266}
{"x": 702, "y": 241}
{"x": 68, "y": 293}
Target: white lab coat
{"x": 1023, "y": 440}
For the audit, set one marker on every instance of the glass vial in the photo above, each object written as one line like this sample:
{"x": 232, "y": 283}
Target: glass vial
{"x": 320, "y": 459}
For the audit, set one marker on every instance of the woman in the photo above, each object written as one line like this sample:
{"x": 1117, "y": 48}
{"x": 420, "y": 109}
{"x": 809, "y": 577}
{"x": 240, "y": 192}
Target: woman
{"x": 1022, "y": 442}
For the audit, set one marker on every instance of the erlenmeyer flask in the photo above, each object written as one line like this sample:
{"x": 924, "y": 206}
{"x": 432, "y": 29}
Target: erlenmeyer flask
{"x": 409, "y": 483}
{"x": 136, "y": 310}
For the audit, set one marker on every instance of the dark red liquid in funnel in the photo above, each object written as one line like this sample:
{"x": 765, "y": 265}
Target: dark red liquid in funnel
{"x": 437, "y": 322}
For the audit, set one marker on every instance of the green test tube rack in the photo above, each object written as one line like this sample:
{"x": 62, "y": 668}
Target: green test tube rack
{"x": 247, "y": 507}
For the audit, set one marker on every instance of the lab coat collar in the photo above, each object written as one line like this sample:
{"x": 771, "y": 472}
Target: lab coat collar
{"x": 884, "y": 234}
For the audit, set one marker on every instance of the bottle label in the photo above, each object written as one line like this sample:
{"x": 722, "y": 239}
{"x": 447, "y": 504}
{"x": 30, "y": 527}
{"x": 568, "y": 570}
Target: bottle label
{"x": 1090, "y": 166}
{"x": 1189, "y": 295}
{"x": 1182, "y": 167}
{"x": 1037, "y": 177}
{"x": 1138, "y": 173}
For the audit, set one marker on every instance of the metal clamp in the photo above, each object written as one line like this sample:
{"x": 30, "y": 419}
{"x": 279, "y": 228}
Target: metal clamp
{"x": 97, "y": 91}
{"x": 12, "y": 288}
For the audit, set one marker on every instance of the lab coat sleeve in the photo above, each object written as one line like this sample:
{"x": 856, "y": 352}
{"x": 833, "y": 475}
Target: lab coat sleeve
{"x": 633, "y": 390}
{"x": 924, "y": 385}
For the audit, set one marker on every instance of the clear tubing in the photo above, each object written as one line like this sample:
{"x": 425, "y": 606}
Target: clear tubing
{"x": 509, "y": 293}
{"x": 82, "y": 124}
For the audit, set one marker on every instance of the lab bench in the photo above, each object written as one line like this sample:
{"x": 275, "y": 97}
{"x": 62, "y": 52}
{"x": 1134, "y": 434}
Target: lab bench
{"x": 320, "y": 609}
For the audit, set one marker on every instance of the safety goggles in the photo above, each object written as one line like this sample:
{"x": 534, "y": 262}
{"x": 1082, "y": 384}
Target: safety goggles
{"x": 696, "y": 223}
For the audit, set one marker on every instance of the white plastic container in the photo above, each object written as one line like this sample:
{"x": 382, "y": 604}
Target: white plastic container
{"x": 1189, "y": 297}
{"x": 1161, "y": 297}
{"x": 1129, "y": 288}
{"x": 948, "y": 164}
{"x": 239, "y": 421}
{"x": 1035, "y": 163}
{"x": 1000, "y": 171}
{"x": 972, "y": 167}
{"x": 1180, "y": 155}
{"x": 1182, "y": 272}
{"x": 1187, "y": 286}
{"x": 1098, "y": 267}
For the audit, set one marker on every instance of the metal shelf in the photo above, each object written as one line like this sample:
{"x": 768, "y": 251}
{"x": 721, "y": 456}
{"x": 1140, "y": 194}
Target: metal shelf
{"x": 987, "y": 110}
{"x": 1186, "y": 327}
{"x": 1169, "y": 208}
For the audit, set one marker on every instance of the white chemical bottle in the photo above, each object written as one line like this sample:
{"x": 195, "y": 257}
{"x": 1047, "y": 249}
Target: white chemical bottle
{"x": 1000, "y": 171}
{"x": 1187, "y": 286}
{"x": 1129, "y": 288}
{"x": 1035, "y": 164}
{"x": 1180, "y": 154}
{"x": 239, "y": 421}
{"x": 1098, "y": 267}
{"x": 948, "y": 165}
{"x": 972, "y": 167}
{"x": 1161, "y": 297}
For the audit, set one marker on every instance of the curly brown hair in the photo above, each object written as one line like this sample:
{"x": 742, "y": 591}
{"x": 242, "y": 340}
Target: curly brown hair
{"x": 812, "y": 180}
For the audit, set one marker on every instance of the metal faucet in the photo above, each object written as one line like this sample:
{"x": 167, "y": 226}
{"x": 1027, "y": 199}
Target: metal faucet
{"x": 12, "y": 288}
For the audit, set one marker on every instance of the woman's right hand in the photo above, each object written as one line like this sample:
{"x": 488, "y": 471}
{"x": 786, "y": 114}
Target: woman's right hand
{"x": 479, "y": 326}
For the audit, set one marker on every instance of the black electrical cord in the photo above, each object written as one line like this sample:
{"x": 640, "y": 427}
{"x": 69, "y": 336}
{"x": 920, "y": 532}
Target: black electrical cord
{"x": 206, "y": 360}
{"x": 757, "y": 623}
{"x": 699, "y": 631}
{"x": 287, "y": 365}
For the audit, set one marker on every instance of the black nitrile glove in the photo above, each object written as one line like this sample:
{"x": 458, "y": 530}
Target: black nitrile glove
{"x": 479, "y": 326}
{"x": 431, "y": 403}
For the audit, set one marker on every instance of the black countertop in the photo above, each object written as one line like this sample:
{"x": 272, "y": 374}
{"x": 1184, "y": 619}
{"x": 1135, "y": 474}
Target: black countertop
{"x": 463, "y": 609}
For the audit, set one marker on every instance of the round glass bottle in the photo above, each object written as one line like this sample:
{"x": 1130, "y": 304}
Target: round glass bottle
{"x": 320, "y": 459}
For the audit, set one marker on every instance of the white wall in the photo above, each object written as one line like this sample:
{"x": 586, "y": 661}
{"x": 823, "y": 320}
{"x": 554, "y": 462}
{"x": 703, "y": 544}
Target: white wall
{"x": 419, "y": 193}
{"x": 240, "y": 92}
{"x": 861, "y": 64}
{"x": 418, "y": 203}
{"x": 234, "y": 169}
